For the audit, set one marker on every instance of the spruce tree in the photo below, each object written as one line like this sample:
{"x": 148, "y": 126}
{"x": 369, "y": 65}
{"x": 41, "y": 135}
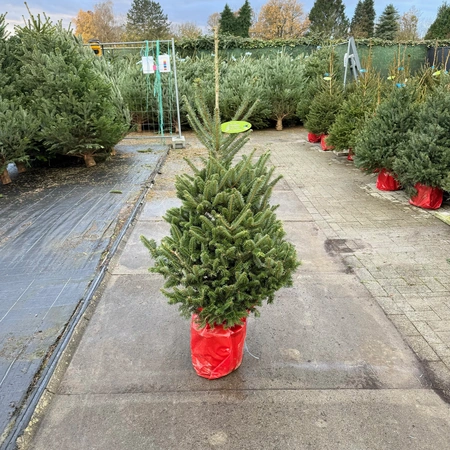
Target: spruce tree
{"x": 244, "y": 20}
{"x": 147, "y": 21}
{"x": 440, "y": 28}
{"x": 424, "y": 157}
{"x": 388, "y": 26}
{"x": 226, "y": 251}
{"x": 363, "y": 21}
{"x": 228, "y": 21}
{"x": 328, "y": 19}
{"x": 378, "y": 142}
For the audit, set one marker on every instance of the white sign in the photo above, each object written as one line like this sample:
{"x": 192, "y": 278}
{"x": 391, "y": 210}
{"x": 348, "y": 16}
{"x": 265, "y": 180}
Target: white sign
{"x": 164, "y": 63}
{"x": 148, "y": 65}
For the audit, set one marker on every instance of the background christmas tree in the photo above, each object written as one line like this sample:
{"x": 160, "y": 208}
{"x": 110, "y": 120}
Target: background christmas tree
{"x": 388, "y": 26}
{"x": 146, "y": 21}
{"x": 363, "y": 21}
{"x": 227, "y": 21}
{"x": 440, "y": 28}
{"x": 328, "y": 19}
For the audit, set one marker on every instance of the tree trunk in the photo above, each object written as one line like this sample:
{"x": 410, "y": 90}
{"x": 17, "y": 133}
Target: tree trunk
{"x": 279, "y": 126}
{"x": 139, "y": 127}
{"x": 113, "y": 152}
{"x": 89, "y": 160}
{"x": 21, "y": 167}
{"x": 4, "y": 177}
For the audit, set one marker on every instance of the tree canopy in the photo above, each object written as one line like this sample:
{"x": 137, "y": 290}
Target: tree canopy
{"x": 388, "y": 26}
{"x": 363, "y": 21}
{"x": 328, "y": 19}
{"x": 146, "y": 21}
{"x": 283, "y": 19}
{"x": 440, "y": 28}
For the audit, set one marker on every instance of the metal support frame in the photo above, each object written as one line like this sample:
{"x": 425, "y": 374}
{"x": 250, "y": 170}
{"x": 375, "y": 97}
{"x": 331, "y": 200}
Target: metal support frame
{"x": 351, "y": 59}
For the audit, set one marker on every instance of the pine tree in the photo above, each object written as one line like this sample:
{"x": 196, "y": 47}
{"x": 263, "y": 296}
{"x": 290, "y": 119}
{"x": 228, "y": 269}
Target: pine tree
{"x": 440, "y": 28}
{"x": 363, "y": 21}
{"x": 228, "y": 21}
{"x": 244, "y": 20}
{"x": 328, "y": 19}
{"x": 146, "y": 21}
{"x": 378, "y": 142}
{"x": 424, "y": 157}
{"x": 226, "y": 252}
{"x": 388, "y": 25}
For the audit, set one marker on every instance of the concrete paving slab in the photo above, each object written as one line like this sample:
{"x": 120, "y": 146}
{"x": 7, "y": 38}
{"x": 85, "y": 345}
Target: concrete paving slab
{"x": 248, "y": 420}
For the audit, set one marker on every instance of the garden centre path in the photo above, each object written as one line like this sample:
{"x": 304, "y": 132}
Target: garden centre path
{"x": 327, "y": 369}
{"x": 55, "y": 228}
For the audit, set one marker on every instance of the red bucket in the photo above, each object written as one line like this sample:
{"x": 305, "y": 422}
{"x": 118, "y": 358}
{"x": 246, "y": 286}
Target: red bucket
{"x": 314, "y": 137}
{"x": 217, "y": 351}
{"x": 427, "y": 197}
{"x": 386, "y": 182}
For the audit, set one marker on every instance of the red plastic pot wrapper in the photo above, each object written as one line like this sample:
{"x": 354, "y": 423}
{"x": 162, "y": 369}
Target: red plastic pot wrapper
{"x": 386, "y": 182}
{"x": 427, "y": 197}
{"x": 314, "y": 137}
{"x": 217, "y": 351}
{"x": 350, "y": 155}
{"x": 323, "y": 143}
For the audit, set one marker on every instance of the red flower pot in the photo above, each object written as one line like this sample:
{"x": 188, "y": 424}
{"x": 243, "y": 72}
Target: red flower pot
{"x": 427, "y": 197}
{"x": 314, "y": 138}
{"x": 323, "y": 143}
{"x": 217, "y": 351}
{"x": 386, "y": 182}
{"x": 350, "y": 155}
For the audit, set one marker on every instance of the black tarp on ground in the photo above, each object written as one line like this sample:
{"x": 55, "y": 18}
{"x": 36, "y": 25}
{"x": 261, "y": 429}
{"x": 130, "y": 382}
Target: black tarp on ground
{"x": 55, "y": 225}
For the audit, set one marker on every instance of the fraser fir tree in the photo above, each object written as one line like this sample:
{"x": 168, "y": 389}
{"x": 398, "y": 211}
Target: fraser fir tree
{"x": 228, "y": 21}
{"x": 388, "y": 26}
{"x": 440, "y": 28}
{"x": 328, "y": 19}
{"x": 325, "y": 107}
{"x": 146, "y": 21}
{"x": 360, "y": 103}
{"x": 424, "y": 157}
{"x": 378, "y": 143}
{"x": 363, "y": 21}
{"x": 226, "y": 251}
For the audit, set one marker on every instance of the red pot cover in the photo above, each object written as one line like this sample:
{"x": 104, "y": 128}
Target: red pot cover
{"x": 386, "y": 182}
{"x": 216, "y": 352}
{"x": 427, "y": 197}
{"x": 324, "y": 144}
{"x": 314, "y": 137}
{"x": 350, "y": 155}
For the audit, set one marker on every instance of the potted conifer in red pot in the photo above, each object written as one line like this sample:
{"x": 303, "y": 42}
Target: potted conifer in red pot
{"x": 379, "y": 141}
{"x": 226, "y": 253}
{"x": 423, "y": 163}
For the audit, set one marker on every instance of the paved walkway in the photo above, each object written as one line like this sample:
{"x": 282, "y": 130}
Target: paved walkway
{"x": 356, "y": 355}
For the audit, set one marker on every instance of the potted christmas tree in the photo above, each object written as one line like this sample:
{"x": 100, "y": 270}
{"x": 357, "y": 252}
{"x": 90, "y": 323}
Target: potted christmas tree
{"x": 226, "y": 251}
{"x": 423, "y": 163}
{"x": 324, "y": 109}
{"x": 379, "y": 140}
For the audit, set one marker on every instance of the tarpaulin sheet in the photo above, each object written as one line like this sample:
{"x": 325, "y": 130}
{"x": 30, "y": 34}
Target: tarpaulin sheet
{"x": 427, "y": 197}
{"x": 217, "y": 351}
{"x": 55, "y": 225}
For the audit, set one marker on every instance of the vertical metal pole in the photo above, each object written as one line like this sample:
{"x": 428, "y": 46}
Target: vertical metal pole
{"x": 176, "y": 88}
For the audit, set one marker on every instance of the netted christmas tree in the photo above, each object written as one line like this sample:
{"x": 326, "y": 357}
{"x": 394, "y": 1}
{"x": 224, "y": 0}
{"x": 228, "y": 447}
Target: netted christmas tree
{"x": 226, "y": 252}
{"x": 379, "y": 140}
{"x": 424, "y": 156}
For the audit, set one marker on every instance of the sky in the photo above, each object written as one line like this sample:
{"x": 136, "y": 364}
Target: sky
{"x": 197, "y": 11}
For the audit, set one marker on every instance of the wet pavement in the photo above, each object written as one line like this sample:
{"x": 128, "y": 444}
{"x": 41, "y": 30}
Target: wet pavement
{"x": 355, "y": 355}
{"x": 56, "y": 226}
